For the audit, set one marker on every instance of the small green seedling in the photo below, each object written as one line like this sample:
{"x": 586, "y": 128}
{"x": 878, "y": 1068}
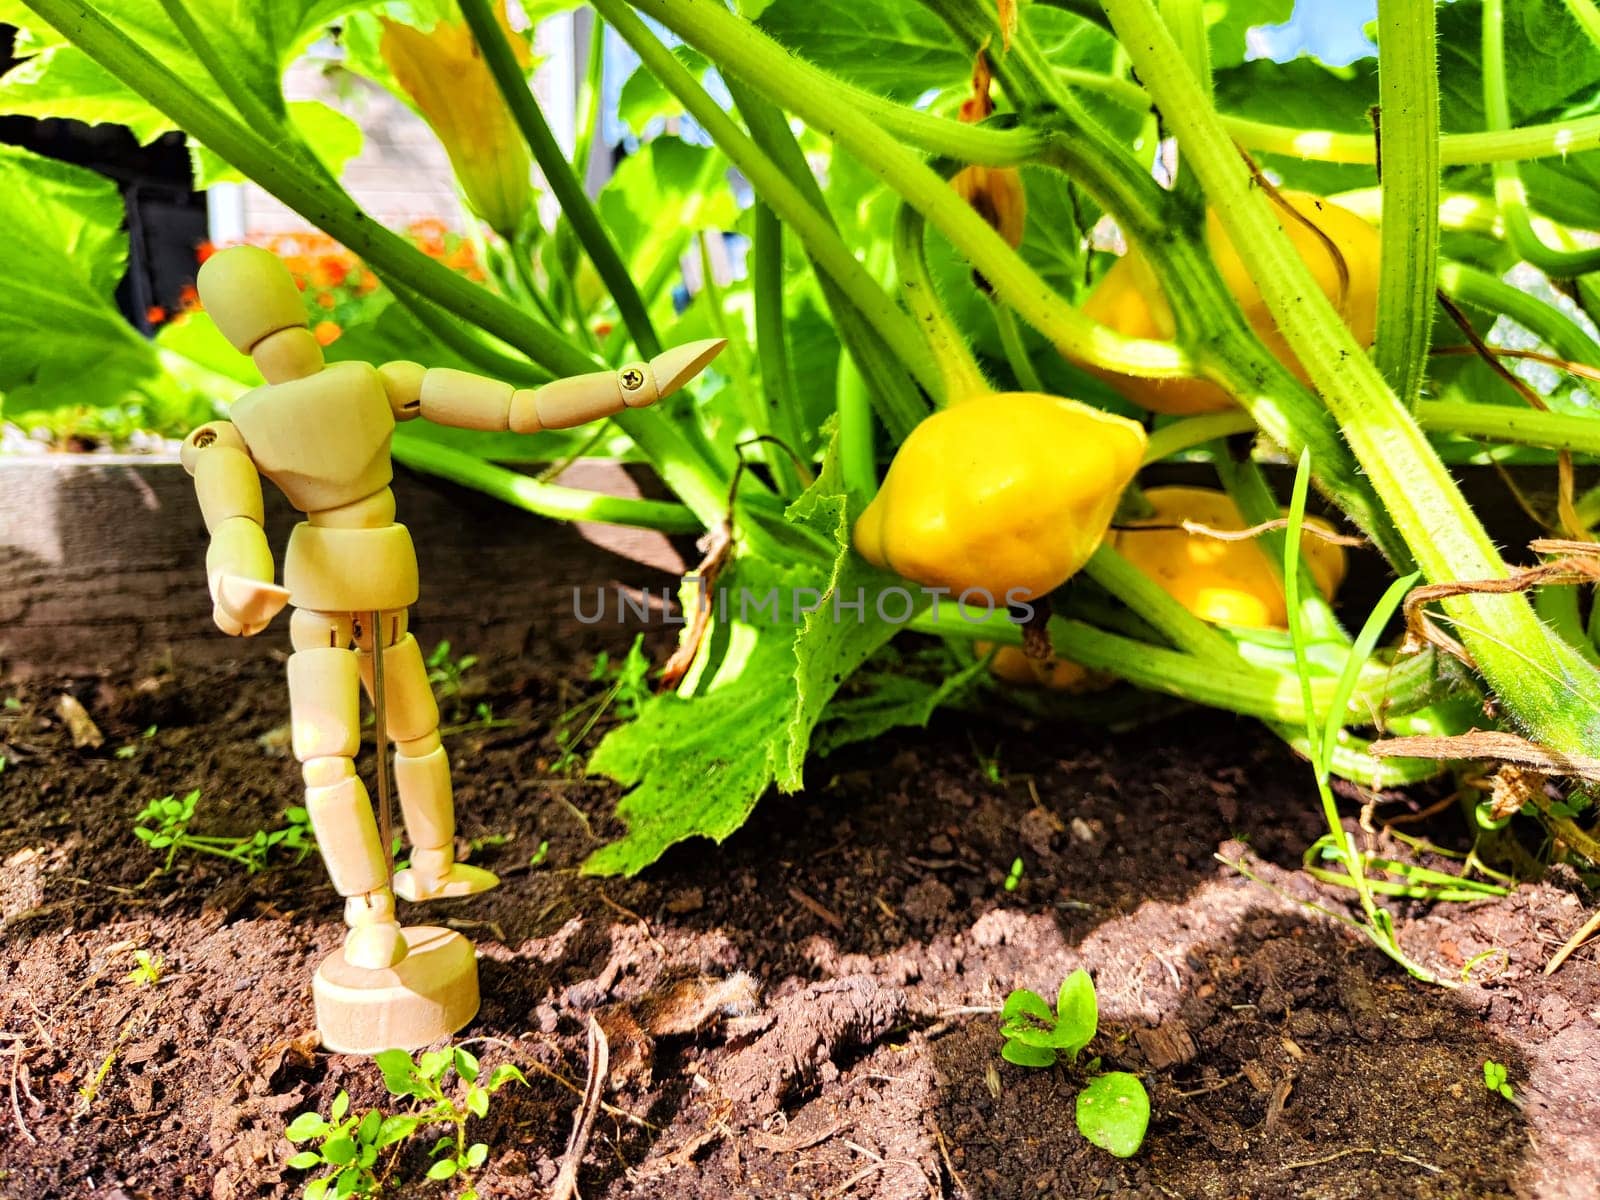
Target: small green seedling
{"x": 445, "y": 672}
{"x": 164, "y": 825}
{"x": 1113, "y": 1110}
{"x": 540, "y": 854}
{"x": 989, "y": 764}
{"x": 1035, "y": 1036}
{"x": 348, "y": 1148}
{"x": 1014, "y": 877}
{"x": 147, "y": 970}
{"x": 1496, "y": 1079}
{"x": 630, "y": 688}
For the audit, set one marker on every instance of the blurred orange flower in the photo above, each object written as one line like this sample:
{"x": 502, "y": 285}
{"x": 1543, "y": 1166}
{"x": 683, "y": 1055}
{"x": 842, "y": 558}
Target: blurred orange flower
{"x": 326, "y": 332}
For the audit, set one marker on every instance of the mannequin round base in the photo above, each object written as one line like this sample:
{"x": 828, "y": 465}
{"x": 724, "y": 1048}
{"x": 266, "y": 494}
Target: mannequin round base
{"x": 432, "y": 993}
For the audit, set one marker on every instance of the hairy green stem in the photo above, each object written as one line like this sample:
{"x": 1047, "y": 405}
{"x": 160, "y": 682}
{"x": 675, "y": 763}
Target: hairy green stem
{"x": 1587, "y": 14}
{"x": 959, "y": 375}
{"x": 1408, "y": 89}
{"x": 1351, "y": 761}
{"x": 772, "y": 347}
{"x": 558, "y": 173}
{"x": 590, "y": 93}
{"x": 1252, "y": 692}
{"x": 1554, "y": 140}
{"x": 747, "y": 396}
{"x": 857, "y": 451}
{"x": 1505, "y": 423}
{"x": 444, "y": 326}
{"x": 1545, "y": 684}
{"x": 544, "y": 499}
{"x": 1016, "y": 351}
{"x": 1186, "y": 19}
{"x": 1150, "y": 601}
{"x": 775, "y": 187}
{"x": 1470, "y": 286}
{"x": 250, "y": 108}
{"x": 1189, "y": 432}
{"x": 1509, "y": 192}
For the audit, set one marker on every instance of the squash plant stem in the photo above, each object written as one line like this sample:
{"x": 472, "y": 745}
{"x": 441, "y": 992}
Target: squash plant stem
{"x": 558, "y": 173}
{"x": 1546, "y": 685}
{"x": 741, "y": 49}
{"x": 774, "y": 186}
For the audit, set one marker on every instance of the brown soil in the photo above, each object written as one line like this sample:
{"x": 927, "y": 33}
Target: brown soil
{"x": 1283, "y": 1056}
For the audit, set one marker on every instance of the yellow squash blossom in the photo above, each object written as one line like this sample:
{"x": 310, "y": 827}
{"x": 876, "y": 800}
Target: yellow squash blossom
{"x": 448, "y": 80}
{"x": 995, "y": 192}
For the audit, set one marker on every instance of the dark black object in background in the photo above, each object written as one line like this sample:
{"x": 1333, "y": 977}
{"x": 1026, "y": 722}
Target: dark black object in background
{"x": 166, "y": 217}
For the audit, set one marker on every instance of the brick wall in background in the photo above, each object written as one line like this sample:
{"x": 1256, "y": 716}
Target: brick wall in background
{"x": 402, "y": 174}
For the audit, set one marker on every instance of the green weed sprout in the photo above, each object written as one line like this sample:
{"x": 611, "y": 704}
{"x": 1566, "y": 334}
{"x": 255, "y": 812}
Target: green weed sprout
{"x": 348, "y": 1147}
{"x": 630, "y": 689}
{"x": 148, "y": 969}
{"x": 445, "y": 673}
{"x": 1113, "y": 1109}
{"x": 1496, "y": 1079}
{"x": 164, "y": 825}
{"x": 1014, "y": 876}
{"x": 1323, "y": 737}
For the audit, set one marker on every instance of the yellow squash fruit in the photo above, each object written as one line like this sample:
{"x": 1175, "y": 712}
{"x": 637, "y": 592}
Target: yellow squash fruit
{"x": 1007, "y": 494}
{"x": 1012, "y": 664}
{"x": 1129, "y": 299}
{"x": 1228, "y": 582}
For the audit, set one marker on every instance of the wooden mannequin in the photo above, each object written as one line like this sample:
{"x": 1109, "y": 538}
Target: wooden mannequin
{"x": 321, "y": 433}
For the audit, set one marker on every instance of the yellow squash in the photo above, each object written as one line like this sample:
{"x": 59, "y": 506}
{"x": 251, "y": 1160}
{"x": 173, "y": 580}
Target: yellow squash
{"x": 1012, "y": 664}
{"x": 1129, "y": 299}
{"x": 1007, "y": 494}
{"x": 1228, "y": 582}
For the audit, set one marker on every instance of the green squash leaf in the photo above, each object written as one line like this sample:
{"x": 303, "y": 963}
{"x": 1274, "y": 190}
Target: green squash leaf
{"x": 1114, "y": 1112}
{"x": 1077, "y": 1013}
{"x": 698, "y": 760}
{"x": 62, "y": 339}
{"x": 1028, "y": 1056}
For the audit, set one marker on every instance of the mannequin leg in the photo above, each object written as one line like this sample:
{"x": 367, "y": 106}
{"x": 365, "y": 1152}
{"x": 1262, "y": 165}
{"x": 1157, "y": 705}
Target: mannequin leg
{"x": 324, "y": 703}
{"x": 421, "y": 769}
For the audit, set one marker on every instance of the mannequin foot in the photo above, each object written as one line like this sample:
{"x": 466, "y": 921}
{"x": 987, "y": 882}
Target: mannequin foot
{"x": 433, "y": 875}
{"x": 374, "y": 942}
{"x": 375, "y": 947}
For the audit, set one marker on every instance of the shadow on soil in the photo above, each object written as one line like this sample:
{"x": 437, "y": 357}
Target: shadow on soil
{"x": 1288, "y": 1064}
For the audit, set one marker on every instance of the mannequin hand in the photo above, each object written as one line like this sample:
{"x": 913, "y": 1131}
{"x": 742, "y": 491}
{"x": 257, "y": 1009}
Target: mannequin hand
{"x": 244, "y": 607}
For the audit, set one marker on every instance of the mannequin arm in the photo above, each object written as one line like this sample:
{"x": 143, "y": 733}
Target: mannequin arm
{"x": 239, "y": 566}
{"x": 449, "y": 397}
